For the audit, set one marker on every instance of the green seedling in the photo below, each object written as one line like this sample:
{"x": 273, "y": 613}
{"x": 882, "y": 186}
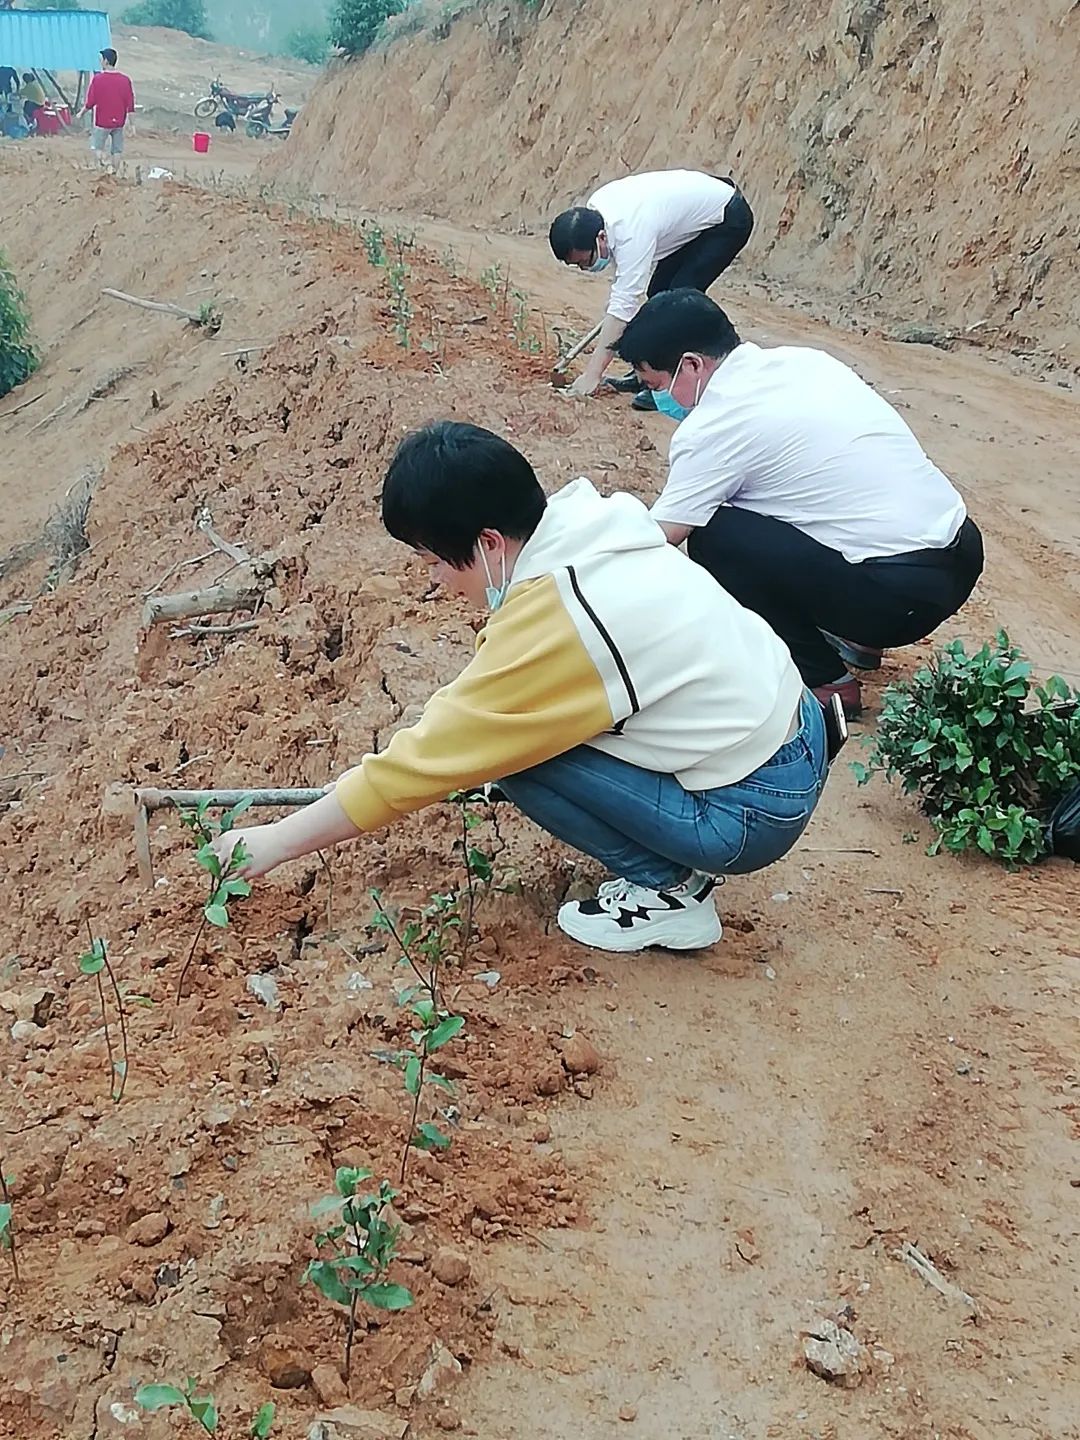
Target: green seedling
{"x": 93, "y": 962}
{"x": 201, "y": 1408}
{"x": 479, "y": 870}
{"x": 7, "y": 1225}
{"x": 374, "y": 246}
{"x": 400, "y": 305}
{"x": 523, "y": 336}
{"x": 209, "y": 317}
{"x": 362, "y": 1244}
{"x": 492, "y": 281}
{"x": 423, "y": 944}
{"x": 225, "y": 884}
{"x": 402, "y": 242}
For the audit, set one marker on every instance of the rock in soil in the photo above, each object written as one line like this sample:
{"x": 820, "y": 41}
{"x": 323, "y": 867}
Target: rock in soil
{"x": 447, "y": 1419}
{"x": 450, "y": 1265}
{"x": 348, "y": 1422}
{"x": 150, "y": 1230}
{"x": 834, "y": 1353}
{"x": 285, "y": 1364}
{"x": 580, "y": 1056}
{"x": 443, "y": 1369}
{"x": 329, "y": 1385}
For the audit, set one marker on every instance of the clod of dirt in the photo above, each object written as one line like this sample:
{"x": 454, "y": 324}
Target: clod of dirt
{"x": 550, "y": 1081}
{"x": 443, "y": 1369}
{"x": 833, "y": 1352}
{"x": 628, "y": 1413}
{"x": 579, "y": 1055}
{"x": 447, "y": 1419}
{"x": 285, "y": 1363}
{"x": 450, "y": 1266}
{"x": 329, "y": 1386}
{"x": 348, "y": 1422}
{"x": 149, "y": 1230}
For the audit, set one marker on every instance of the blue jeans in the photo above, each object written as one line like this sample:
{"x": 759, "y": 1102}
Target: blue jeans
{"x": 646, "y": 828}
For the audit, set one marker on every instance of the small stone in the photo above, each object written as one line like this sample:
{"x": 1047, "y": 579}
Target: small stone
{"x": 349, "y": 1422}
{"x": 447, "y": 1419}
{"x": 550, "y": 1081}
{"x": 486, "y": 1203}
{"x": 579, "y": 1055}
{"x": 450, "y": 1266}
{"x": 404, "y": 1396}
{"x": 833, "y": 1352}
{"x": 285, "y": 1363}
{"x": 265, "y": 988}
{"x": 542, "y": 1134}
{"x": 964, "y": 1067}
{"x": 84, "y": 1229}
{"x": 144, "y": 1289}
{"x": 628, "y": 1413}
{"x": 584, "y": 1088}
{"x": 149, "y": 1230}
{"x": 35, "y": 1006}
{"x": 25, "y": 1032}
{"x": 328, "y": 1385}
{"x": 443, "y": 1369}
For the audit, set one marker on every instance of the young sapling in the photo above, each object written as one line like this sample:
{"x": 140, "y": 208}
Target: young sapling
{"x": 362, "y": 1245}
{"x": 93, "y": 962}
{"x": 225, "y": 883}
{"x": 7, "y": 1224}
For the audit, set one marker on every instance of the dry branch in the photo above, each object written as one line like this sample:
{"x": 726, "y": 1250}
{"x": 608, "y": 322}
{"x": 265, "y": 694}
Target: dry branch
{"x": 214, "y": 600}
{"x": 924, "y": 1266}
{"x": 162, "y": 307}
{"x": 152, "y": 800}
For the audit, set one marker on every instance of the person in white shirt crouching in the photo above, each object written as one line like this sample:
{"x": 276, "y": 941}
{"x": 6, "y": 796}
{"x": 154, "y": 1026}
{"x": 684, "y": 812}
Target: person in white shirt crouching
{"x": 662, "y": 231}
{"x": 802, "y": 492}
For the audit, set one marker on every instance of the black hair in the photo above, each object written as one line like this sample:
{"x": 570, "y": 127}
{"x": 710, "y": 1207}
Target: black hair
{"x": 449, "y": 481}
{"x": 575, "y": 229}
{"x": 109, "y": 55}
{"x": 673, "y": 323}
{"x": 27, "y": 75}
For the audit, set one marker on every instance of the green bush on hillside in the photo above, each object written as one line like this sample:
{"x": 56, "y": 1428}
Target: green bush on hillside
{"x": 186, "y": 15}
{"x": 354, "y": 24}
{"x": 309, "y": 43}
{"x": 18, "y": 358}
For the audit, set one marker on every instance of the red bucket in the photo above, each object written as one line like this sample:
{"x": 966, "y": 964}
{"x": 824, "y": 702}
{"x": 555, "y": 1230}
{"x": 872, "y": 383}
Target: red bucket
{"x": 200, "y": 142}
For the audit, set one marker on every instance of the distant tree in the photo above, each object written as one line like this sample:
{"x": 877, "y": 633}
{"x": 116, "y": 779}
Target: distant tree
{"x": 18, "y": 358}
{"x": 57, "y": 5}
{"x": 186, "y": 15}
{"x": 354, "y": 24}
{"x": 310, "y": 44}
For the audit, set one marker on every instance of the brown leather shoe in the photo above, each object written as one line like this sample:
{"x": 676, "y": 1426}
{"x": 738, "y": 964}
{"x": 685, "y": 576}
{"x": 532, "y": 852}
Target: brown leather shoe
{"x": 859, "y": 657}
{"x": 850, "y": 692}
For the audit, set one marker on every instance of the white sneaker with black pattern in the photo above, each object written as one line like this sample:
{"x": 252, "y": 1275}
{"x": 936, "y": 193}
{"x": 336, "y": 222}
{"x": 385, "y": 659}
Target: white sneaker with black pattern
{"x": 625, "y": 917}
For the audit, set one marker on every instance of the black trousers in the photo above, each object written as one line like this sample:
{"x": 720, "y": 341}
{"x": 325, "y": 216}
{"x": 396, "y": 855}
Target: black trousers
{"x": 698, "y": 263}
{"x": 802, "y": 587}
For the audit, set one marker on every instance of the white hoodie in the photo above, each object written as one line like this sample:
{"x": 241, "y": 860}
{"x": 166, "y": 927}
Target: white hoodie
{"x": 610, "y": 637}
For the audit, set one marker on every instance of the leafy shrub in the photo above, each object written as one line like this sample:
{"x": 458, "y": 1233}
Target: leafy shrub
{"x": 309, "y": 43}
{"x": 18, "y": 358}
{"x": 987, "y": 764}
{"x": 354, "y": 24}
{"x": 186, "y": 15}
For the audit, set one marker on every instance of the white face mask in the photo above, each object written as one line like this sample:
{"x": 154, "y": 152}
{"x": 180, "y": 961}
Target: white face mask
{"x": 494, "y": 594}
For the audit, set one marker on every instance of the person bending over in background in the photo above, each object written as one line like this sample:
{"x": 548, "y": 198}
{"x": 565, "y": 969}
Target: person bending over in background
{"x": 33, "y": 97}
{"x": 802, "y": 491}
{"x": 595, "y": 698}
{"x": 666, "y": 230}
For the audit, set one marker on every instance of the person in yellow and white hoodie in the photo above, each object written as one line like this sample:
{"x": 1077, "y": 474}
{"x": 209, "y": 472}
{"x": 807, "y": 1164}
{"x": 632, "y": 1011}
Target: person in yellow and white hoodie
{"x": 622, "y": 699}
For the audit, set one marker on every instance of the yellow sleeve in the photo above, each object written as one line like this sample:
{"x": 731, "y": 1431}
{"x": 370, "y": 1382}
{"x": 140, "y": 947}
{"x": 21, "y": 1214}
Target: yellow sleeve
{"x": 531, "y": 691}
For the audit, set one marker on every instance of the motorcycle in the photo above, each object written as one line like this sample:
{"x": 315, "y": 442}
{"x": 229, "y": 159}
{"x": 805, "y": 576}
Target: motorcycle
{"x": 243, "y": 106}
{"x": 257, "y": 129}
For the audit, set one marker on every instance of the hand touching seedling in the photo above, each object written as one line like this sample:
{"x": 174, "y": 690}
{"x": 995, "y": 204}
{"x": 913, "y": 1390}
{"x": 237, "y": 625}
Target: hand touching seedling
{"x": 201, "y": 1408}
{"x": 224, "y": 874}
{"x": 362, "y": 1245}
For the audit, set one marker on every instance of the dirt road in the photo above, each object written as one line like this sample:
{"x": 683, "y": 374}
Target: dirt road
{"x": 882, "y": 1049}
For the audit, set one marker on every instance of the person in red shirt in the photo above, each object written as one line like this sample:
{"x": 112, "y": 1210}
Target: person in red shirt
{"x": 111, "y": 100}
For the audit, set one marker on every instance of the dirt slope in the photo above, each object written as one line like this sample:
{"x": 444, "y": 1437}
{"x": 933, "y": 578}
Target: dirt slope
{"x": 881, "y": 1050}
{"x": 920, "y": 159}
